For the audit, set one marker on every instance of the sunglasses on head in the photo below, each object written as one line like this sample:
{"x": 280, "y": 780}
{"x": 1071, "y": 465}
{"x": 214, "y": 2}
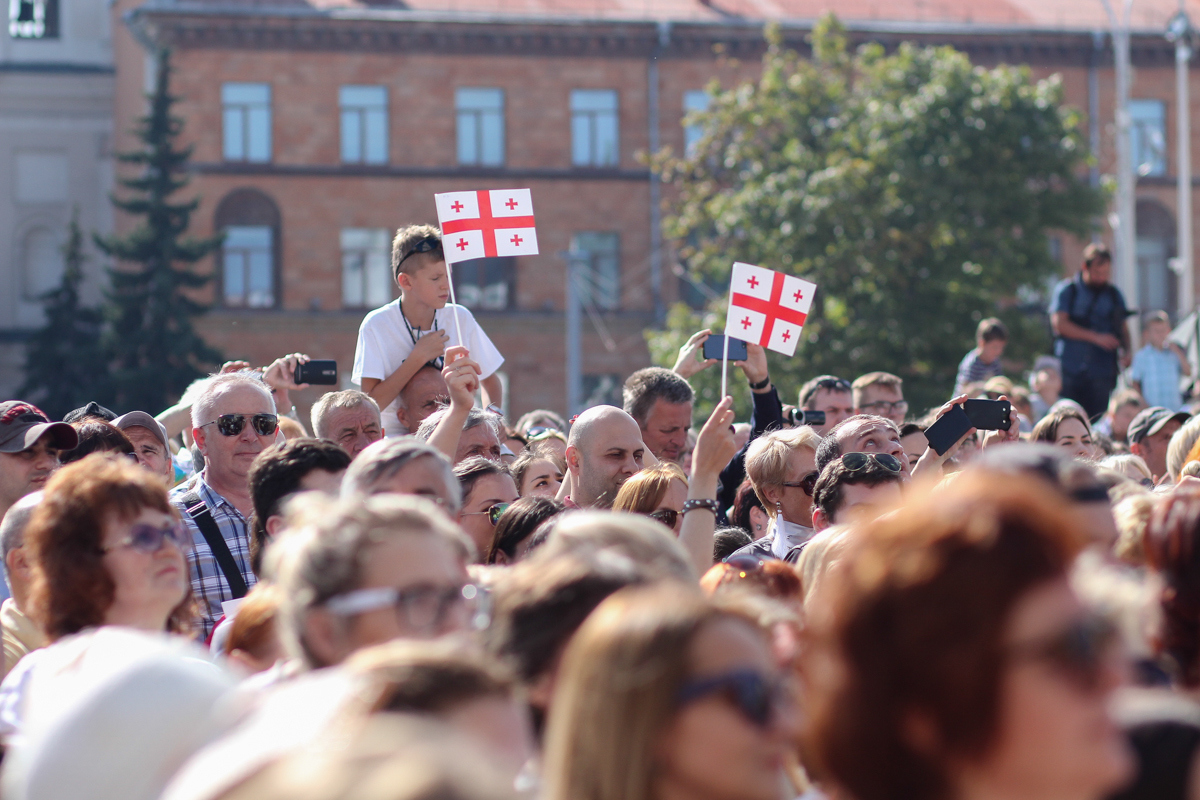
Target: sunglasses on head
{"x": 751, "y": 694}
{"x": 807, "y": 483}
{"x": 232, "y": 424}
{"x": 149, "y": 539}
{"x": 426, "y": 245}
{"x": 1077, "y": 652}
{"x": 667, "y": 516}
{"x": 837, "y": 384}
{"x": 539, "y": 432}
{"x": 857, "y": 462}
{"x": 493, "y": 513}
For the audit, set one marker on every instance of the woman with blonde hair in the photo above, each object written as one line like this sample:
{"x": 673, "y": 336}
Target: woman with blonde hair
{"x": 782, "y": 467}
{"x": 663, "y": 695}
{"x": 658, "y": 492}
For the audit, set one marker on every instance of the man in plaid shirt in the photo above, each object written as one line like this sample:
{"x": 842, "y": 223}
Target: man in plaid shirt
{"x": 233, "y": 420}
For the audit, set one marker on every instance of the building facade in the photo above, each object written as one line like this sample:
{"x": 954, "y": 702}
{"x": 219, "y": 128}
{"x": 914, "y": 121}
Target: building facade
{"x": 321, "y": 127}
{"x": 56, "y": 128}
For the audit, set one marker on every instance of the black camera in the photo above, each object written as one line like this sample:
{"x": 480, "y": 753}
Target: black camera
{"x": 798, "y": 416}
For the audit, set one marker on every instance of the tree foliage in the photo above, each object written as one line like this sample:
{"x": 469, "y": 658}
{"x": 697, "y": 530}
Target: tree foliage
{"x": 64, "y": 363}
{"x": 915, "y": 189}
{"x": 154, "y": 351}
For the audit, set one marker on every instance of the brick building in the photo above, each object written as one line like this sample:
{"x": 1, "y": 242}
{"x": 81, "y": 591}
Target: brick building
{"x": 321, "y": 125}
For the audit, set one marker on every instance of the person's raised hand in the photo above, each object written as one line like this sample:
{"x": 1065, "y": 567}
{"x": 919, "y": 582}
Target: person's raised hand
{"x": 716, "y": 445}
{"x": 234, "y": 366}
{"x": 1013, "y": 434}
{"x": 462, "y": 377}
{"x": 280, "y": 374}
{"x": 755, "y": 365}
{"x": 687, "y": 364}
{"x": 930, "y": 461}
{"x": 431, "y": 346}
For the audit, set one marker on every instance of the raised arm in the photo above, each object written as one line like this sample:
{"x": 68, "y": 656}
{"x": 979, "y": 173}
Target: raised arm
{"x": 714, "y": 447}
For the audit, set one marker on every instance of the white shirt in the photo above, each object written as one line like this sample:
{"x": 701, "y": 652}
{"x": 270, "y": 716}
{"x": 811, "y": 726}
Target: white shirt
{"x": 385, "y": 340}
{"x": 787, "y": 535}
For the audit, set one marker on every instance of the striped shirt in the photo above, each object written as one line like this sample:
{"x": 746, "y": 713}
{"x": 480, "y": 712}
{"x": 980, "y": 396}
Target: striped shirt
{"x": 973, "y": 370}
{"x": 208, "y": 583}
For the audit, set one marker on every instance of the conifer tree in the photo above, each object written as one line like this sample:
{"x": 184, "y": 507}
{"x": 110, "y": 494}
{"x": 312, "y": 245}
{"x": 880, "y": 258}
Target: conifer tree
{"x": 154, "y": 352}
{"x": 64, "y": 362}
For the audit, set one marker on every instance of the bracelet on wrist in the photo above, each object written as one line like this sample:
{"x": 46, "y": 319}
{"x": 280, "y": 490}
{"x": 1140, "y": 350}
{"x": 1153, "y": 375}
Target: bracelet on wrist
{"x": 704, "y": 503}
{"x": 764, "y": 383}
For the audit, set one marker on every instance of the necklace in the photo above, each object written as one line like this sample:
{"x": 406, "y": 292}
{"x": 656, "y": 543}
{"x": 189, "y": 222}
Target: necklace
{"x": 415, "y": 335}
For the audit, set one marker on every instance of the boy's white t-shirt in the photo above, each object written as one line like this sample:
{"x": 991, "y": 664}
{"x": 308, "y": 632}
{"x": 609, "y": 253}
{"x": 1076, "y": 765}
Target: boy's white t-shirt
{"x": 384, "y": 341}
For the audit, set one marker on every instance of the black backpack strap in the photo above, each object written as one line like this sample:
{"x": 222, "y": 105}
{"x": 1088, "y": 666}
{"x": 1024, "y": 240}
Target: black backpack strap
{"x": 198, "y": 511}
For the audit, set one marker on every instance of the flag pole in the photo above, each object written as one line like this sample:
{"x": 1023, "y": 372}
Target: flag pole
{"x": 724, "y": 366}
{"x": 453, "y": 302}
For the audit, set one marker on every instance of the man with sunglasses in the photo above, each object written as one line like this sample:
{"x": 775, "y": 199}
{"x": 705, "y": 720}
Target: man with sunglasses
{"x": 233, "y": 420}
{"x": 853, "y": 484}
{"x": 830, "y": 395}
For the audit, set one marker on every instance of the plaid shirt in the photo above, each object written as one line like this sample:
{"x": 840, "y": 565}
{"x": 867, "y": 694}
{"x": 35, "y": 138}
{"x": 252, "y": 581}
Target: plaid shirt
{"x": 208, "y": 584}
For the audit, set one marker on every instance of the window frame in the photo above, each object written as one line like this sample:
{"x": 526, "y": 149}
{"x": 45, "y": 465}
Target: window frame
{"x": 247, "y": 110}
{"x": 1141, "y": 141}
{"x": 370, "y": 117}
{"x": 248, "y": 207}
{"x": 588, "y": 119}
{"x": 614, "y": 302}
{"x": 382, "y": 237}
{"x": 478, "y": 113}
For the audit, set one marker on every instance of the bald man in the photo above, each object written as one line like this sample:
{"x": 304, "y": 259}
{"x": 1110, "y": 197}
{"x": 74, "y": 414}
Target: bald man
{"x": 604, "y": 450}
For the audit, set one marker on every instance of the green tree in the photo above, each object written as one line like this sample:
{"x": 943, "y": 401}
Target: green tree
{"x": 64, "y": 363}
{"x": 154, "y": 351}
{"x": 915, "y": 189}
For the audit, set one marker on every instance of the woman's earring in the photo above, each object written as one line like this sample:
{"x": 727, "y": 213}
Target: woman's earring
{"x": 778, "y": 509}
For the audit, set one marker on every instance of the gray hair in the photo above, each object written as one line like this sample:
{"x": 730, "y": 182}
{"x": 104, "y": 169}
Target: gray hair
{"x": 385, "y": 458}
{"x": 645, "y": 387}
{"x": 326, "y": 544}
{"x": 215, "y": 386}
{"x": 336, "y": 401}
{"x": 12, "y": 527}
{"x": 475, "y": 418}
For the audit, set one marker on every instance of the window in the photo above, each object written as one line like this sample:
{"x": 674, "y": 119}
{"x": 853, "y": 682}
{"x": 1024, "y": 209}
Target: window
{"x": 366, "y": 267}
{"x": 599, "y": 269}
{"x": 594, "y": 128}
{"x": 485, "y": 283}
{"x": 364, "y": 124}
{"x": 246, "y": 115}
{"x": 693, "y": 101}
{"x": 42, "y": 262}
{"x": 480, "y": 126}
{"x": 33, "y": 19}
{"x": 247, "y": 265}
{"x": 248, "y": 262}
{"x": 1148, "y": 122}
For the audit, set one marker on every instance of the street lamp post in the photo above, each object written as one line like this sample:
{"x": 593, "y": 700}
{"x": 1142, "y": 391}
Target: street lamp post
{"x": 1181, "y": 33}
{"x": 1125, "y": 233}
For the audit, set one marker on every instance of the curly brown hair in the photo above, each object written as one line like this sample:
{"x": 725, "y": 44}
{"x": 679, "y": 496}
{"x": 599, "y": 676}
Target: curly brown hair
{"x": 72, "y": 589}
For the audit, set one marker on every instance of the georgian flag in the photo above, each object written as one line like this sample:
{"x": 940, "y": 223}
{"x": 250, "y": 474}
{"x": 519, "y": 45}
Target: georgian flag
{"x": 767, "y": 307}
{"x": 486, "y": 224}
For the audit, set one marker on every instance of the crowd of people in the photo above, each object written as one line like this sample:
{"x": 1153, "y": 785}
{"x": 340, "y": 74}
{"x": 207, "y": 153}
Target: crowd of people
{"x": 424, "y": 599}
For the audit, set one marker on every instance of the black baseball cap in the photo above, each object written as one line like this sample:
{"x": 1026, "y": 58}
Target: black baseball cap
{"x": 22, "y": 424}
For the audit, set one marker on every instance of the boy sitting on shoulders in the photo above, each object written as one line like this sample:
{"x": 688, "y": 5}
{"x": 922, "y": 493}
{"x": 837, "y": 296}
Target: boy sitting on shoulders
{"x": 397, "y": 339}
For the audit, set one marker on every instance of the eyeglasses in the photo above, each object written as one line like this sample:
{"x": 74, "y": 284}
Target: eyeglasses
{"x": 753, "y": 695}
{"x": 149, "y": 539}
{"x": 806, "y": 483}
{"x": 493, "y": 513}
{"x": 857, "y": 462}
{"x": 1078, "y": 652}
{"x": 885, "y": 407}
{"x": 667, "y": 516}
{"x": 232, "y": 424}
{"x": 424, "y": 607}
{"x": 426, "y": 245}
{"x": 538, "y": 432}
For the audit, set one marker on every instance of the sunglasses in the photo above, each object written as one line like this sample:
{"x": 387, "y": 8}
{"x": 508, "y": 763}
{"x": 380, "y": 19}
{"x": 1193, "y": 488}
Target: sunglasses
{"x": 807, "y": 483}
{"x": 857, "y": 462}
{"x": 149, "y": 539}
{"x": 493, "y": 513}
{"x": 538, "y": 432}
{"x": 837, "y": 384}
{"x": 1077, "y": 653}
{"x": 667, "y": 516}
{"x": 745, "y": 565}
{"x": 751, "y": 694}
{"x": 426, "y": 607}
{"x": 426, "y": 245}
{"x": 232, "y": 424}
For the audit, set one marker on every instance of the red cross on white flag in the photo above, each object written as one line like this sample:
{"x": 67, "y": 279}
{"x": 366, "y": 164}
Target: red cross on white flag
{"x": 767, "y": 307}
{"x": 488, "y": 223}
